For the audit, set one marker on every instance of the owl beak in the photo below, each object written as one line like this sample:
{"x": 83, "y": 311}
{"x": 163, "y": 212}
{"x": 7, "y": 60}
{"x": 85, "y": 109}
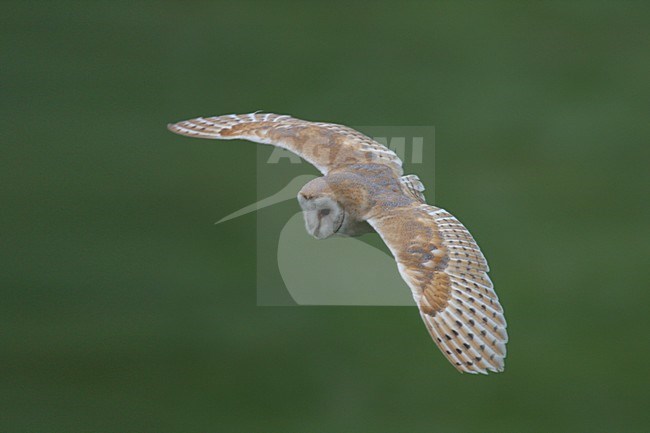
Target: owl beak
{"x": 340, "y": 224}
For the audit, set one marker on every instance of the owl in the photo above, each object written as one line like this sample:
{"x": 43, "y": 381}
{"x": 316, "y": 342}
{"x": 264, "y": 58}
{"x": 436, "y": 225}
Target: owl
{"x": 363, "y": 189}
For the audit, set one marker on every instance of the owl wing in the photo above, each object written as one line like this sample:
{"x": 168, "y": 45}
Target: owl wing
{"x": 324, "y": 145}
{"x": 447, "y": 273}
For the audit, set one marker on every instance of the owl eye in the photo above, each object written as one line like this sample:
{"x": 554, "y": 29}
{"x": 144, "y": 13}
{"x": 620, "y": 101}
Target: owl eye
{"x": 323, "y": 212}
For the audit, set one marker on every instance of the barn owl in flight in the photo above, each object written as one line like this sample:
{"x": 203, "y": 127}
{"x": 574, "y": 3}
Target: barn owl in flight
{"x": 363, "y": 189}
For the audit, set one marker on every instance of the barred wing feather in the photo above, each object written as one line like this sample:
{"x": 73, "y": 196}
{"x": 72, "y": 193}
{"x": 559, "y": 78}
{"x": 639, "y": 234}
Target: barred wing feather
{"x": 447, "y": 273}
{"x": 324, "y": 145}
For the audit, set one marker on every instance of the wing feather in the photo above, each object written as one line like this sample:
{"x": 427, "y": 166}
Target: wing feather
{"x": 324, "y": 145}
{"x": 413, "y": 186}
{"x": 447, "y": 273}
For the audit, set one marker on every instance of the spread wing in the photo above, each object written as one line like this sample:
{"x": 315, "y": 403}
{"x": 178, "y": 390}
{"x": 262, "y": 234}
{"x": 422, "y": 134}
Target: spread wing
{"x": 324, "y": 145}
{"x": 447, "y": 273}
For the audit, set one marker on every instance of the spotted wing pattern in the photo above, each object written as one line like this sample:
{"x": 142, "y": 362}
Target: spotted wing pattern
{"x": 325, "y": 145}
{"x": 447, "y": 273}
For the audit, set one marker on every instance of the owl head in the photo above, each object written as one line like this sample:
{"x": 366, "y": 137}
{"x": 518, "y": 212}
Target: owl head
{"x": 323, "y": 214}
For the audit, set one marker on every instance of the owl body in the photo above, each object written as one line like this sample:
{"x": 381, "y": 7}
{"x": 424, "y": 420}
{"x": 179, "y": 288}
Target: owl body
{"x": 341, "y": 202}
{"x": 363, "y": 189}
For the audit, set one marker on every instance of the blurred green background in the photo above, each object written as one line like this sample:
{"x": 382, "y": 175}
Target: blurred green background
{"x": 124, "y": 309}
